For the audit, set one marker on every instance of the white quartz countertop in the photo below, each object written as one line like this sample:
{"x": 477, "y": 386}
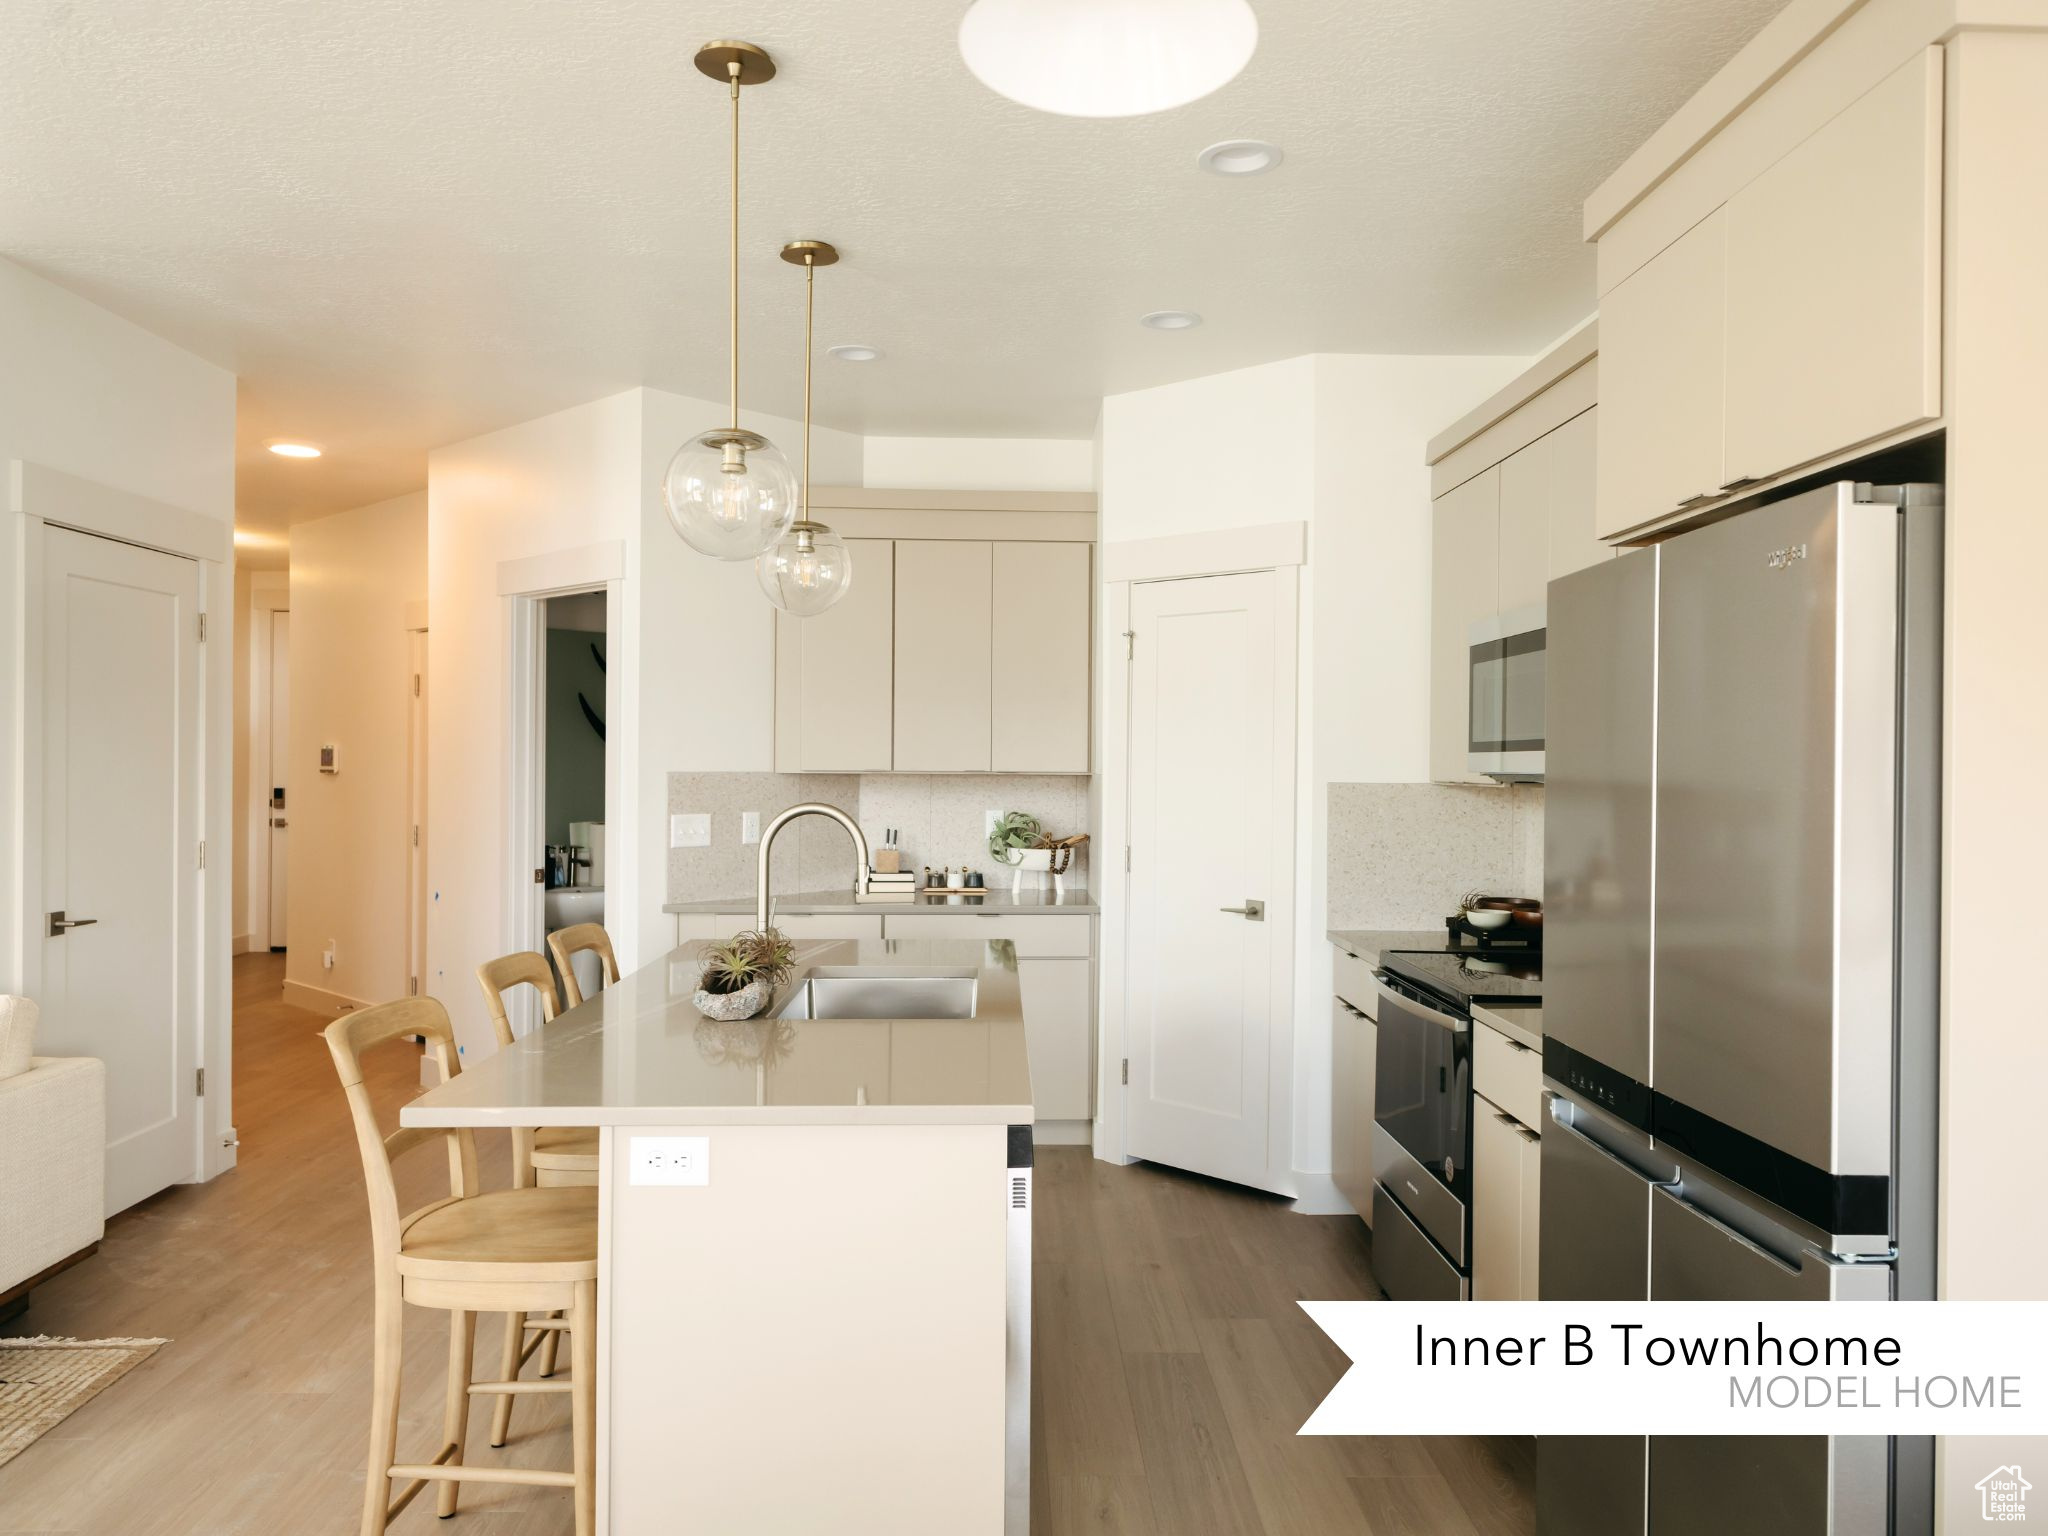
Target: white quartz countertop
{"x": 639, "y": 1053}
{"x": 996, "y": 901}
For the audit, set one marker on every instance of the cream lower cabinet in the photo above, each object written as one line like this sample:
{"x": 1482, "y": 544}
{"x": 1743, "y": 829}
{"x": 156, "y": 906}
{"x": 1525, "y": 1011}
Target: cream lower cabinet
{"x": 1506, "y": 1189}
{"x": 1353, "y": 1042}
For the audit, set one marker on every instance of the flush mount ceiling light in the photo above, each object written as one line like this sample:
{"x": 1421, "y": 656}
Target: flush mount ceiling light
{"x": 808, "y": 569}
{"x": 854, "y": 352}
{"x": 294, "y": 450}
{"x": 1240, "y": 157}
{"x": 1107, "y": 58}
{"x": 1171, "y": 320}
{"x": 729, "y": 491}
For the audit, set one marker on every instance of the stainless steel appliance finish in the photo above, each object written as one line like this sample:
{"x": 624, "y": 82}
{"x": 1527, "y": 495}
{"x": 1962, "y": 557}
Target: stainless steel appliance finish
{"x": 1422, "y": 1117}
{"x": 846, "y": 992}
{"x": 1597, "y": 825}
{"x": 1505, "y": 697}
{"x": 1409, "y": 1266}
{"x": 1017, "y": 1336}
{"x": 1777, "y": 721}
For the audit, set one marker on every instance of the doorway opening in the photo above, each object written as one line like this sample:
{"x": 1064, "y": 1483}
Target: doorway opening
{"x": 572, "y": 759}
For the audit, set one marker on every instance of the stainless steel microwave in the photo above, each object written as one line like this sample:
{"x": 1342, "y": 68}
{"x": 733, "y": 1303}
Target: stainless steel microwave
{"x": 1505, "y": 700}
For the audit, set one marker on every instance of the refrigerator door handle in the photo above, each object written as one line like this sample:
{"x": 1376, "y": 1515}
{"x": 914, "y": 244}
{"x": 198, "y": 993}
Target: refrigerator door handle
{"x": 1449, "y": 1021}
{"x": 1561, "y": 1119}
{"x": 1675, "y": 1193}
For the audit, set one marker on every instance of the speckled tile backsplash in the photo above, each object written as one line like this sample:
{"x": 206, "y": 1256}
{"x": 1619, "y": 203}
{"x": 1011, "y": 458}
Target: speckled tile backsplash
{"x": 1402, "y": 854}
{"x": 938, "y": 818}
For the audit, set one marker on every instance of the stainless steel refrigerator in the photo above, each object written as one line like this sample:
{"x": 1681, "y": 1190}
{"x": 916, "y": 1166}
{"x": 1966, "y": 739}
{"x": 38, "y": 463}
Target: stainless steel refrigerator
{"x": 1740, "y": 893}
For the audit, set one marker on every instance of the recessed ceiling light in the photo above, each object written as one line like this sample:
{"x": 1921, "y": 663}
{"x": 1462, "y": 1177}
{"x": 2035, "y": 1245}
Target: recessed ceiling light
{"x": 1240, "y": 157}
{"x": 1107, "y": 58}
{"x": 1171, "y": 319}
{"x": 854, "y": 352}
{"x": 295, "y": 450}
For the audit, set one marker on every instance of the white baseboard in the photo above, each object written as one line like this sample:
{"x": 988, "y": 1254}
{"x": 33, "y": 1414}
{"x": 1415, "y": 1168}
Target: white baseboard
{"x": 1318, "y": 1195}
{"x": 244, "y": 942}
{"x": 1063, "y": 1133}
{"x": 320, "y": 1000}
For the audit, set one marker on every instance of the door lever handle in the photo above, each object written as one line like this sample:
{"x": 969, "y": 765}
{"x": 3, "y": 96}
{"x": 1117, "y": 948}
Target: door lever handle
{"x": 60, "y": 924}
{"x": 1253, "y": 911}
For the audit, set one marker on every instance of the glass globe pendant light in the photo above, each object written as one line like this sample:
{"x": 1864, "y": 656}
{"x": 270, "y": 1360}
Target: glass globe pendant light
{"x": 1107, "y": 58}
{"x": 729, "y": 491}
{"x": 809, "y": 568}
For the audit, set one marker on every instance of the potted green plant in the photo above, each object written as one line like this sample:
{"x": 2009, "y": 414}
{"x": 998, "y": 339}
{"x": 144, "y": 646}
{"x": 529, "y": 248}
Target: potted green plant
{"x": 740, "y": 975}
{"x": 1017, "y": 833}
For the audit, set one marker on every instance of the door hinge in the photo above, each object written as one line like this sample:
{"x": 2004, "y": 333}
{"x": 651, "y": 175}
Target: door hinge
{"x": 202, "y": 629}
{"x": 1127, "y": 1070}
{"x": 415, "y": 834}
{"x": 415, "y": 685}
{"x": 1130, "y": 645}
{"x": 199, "y": 1082}
{"x": 412, "y": 986}
{"x": 202, "y": 853}
{"x": 540, "y": 877}
{"x": 1127, "y": 858}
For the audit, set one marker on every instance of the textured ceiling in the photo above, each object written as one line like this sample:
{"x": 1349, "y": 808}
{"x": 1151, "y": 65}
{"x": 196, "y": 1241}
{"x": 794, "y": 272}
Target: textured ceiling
{"x": 403, "y": 222}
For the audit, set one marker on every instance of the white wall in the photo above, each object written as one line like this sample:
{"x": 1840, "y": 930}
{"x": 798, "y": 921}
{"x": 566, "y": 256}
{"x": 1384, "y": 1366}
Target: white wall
{"x": 86, "y": 392}
{"x": 355, "y": 577}
{"x": 979, "y": 463}
{"x": 238, "y": 803}
{"x": 1335, "y": 442}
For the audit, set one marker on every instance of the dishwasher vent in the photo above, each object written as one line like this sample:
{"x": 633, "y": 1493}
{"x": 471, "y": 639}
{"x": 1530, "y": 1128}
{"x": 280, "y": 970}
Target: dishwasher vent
{"x": 1020, "y": 1194}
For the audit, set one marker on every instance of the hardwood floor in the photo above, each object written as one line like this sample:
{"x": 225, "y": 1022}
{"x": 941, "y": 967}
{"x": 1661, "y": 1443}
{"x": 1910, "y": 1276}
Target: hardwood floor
{"x": 1172, "y": 1366}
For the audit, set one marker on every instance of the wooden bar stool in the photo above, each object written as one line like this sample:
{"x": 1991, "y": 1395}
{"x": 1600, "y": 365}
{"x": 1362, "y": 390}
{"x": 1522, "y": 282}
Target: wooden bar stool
{"x": 513, "y": 1251}
{"x": 547, "y": 1157}
{"x": 566, "y": 943}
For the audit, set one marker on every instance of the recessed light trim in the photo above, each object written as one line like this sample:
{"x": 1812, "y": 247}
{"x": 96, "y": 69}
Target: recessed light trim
{"x": 1240, "y": 157}
{"x": 1171, "y": 320}
{"x": 854, "y": 352}
{"x": 291, "y": 450}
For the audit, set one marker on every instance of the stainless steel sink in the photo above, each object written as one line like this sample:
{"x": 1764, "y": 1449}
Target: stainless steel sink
{"x": 859, "y": 992}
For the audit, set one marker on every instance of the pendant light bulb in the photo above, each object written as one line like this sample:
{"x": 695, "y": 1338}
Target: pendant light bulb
{"x": 729, "y": 492}
{"x": 809, "y": 568}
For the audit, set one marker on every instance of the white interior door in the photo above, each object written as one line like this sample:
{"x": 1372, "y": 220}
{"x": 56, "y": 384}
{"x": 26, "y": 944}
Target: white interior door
{"x": 120, "y": 844}
{"x": 1209, "y": 804}
{"x": 416, "y": 820}
{"x": 280, "y": 766}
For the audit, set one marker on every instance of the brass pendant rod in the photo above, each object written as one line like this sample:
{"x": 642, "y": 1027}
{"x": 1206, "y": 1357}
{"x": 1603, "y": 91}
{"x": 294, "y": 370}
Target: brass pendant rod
{"x": 810, "y": 295}
{"x": 733, "y": 265}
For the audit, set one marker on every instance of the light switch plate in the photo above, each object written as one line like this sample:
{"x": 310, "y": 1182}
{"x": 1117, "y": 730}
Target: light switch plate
{"x": 691, "y": 830}
{"x": 750, "y": 826}
{"x": 671, "y": 1160}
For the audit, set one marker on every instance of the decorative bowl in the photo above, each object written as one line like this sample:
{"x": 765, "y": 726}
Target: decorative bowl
{"x": 729, "y": 1006}
{"x": 1485, "y": 918}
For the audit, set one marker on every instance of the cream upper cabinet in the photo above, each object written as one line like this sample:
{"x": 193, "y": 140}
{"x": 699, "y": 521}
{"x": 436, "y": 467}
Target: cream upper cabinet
{"x": 1663, "y": 339}
{"x": 834, "y": 674}
{"x": 1834, "y": 282}
{"x": 1524, "y": 526}
{"x": 1573, "y": 543}
{"x": 944, "y": 589}
{"x": 1039, "y": 657}
{"x": 1464, "y": 588}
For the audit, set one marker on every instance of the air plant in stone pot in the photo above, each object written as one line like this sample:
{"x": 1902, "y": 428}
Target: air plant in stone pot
{"x": 740, "y": 975}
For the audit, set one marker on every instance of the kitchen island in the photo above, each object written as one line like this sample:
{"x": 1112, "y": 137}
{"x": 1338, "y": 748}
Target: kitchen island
{"x": 814, "y": 1258}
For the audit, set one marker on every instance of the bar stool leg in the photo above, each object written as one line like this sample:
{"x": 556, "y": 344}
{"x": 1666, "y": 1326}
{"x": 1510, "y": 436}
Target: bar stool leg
{"x": 548, "y": 1344}
{"x": 387, "y": 1354}
{"x": 508, "y": 1370}
{"x": 583, "y": 1403}
{"x": 455, "y": 1418}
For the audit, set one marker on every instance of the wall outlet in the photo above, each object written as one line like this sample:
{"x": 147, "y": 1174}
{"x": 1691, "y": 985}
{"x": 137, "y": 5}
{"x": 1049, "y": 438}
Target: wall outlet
{"x": 689, "y": 831}
{"x": 673, "y": 1160}
{"x": 750, "y": 826}
{"x": 327, "y": 957}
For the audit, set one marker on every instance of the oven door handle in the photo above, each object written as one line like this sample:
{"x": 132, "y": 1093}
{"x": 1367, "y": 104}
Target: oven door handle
{"x": 1450, "y": 1021}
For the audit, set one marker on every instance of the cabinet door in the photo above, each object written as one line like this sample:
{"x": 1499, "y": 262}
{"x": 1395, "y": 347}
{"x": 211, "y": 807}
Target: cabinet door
{"x": 1496, "y": 1204}
{"x": 1524, "y": 529}
{"x": 1039, "y": 658}
{"x": 943, "y": 591}
{"x": 1834, "y": 282}
{"x": 1351, "y": 1087}
{"x": 1662, "y": 365}
{"x": 833, "y": 674}
{"x": 1058, "y": 1005}
{"x": 1573, "y": 543}
{"x": 1532, "y": 1206}
{"x": 1464, "y": 587}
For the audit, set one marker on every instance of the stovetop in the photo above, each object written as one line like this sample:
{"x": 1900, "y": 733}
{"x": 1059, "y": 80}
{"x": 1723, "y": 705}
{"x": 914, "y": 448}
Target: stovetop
{"x": 1472, "y": 976}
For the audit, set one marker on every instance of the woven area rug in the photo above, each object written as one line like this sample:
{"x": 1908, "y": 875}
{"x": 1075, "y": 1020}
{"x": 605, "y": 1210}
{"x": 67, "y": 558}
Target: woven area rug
{"x": 43, "y": 1380}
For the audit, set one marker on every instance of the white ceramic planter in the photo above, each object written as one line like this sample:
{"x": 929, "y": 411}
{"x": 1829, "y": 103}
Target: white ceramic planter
{"x": 1034, "y": 861}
